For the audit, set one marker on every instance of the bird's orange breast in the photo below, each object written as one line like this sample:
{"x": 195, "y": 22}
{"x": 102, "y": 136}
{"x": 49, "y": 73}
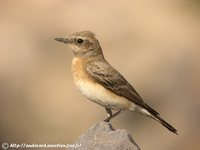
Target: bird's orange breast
{"x": 78, "y": 70}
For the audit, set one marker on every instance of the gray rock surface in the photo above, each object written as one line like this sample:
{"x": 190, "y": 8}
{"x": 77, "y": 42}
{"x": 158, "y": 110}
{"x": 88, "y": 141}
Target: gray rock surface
{"x": 102, "y": 136}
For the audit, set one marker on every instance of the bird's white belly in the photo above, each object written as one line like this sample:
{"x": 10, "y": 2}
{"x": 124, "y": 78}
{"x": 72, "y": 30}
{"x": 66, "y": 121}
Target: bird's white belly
{"x": 98, "y": 94}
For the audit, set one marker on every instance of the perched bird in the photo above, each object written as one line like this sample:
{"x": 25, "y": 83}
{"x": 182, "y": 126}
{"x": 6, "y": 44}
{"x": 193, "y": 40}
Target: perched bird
{"x": 101, "y": 83}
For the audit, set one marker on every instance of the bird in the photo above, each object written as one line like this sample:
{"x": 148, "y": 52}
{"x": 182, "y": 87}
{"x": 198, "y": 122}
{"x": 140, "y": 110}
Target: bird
{"x": 103, "y": 84}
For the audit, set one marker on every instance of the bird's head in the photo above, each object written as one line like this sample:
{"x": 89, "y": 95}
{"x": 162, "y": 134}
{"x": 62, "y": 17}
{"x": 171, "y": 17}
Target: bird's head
{"x": 83, "y": 44}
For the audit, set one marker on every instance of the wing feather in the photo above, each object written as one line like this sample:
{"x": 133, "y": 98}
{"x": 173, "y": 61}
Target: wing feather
{"x": 107, "y": 76}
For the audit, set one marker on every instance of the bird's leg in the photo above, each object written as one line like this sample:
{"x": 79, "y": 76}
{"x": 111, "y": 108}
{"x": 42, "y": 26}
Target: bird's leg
{"x": 109, "y": 112}
{"x": 112, "y": 115}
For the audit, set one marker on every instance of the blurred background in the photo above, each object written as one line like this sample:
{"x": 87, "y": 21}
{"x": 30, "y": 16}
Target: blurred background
{"x": 154, "y": 44}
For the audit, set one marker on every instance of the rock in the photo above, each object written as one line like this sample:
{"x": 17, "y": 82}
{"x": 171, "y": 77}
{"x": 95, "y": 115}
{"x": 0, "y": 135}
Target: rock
{"x": 102, "y": 136}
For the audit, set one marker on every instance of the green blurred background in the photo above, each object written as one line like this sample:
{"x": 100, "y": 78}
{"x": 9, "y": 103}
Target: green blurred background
{"x": 154, "y": 44}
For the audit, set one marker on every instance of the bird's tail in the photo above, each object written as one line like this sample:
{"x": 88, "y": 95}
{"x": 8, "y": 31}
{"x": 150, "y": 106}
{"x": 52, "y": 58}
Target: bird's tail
{"x": 155, "y": 115}
{"x": 165, "y": 124}
{"x": 150, "y": 112}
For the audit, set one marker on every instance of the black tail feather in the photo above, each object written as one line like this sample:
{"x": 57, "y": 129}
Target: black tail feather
{"x": 165, "y": 124}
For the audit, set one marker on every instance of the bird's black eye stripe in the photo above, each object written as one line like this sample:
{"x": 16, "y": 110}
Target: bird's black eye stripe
{"x": 79, "y": 41}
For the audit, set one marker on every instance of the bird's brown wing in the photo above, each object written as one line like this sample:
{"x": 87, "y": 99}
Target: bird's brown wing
{"x": 111, "y": 79}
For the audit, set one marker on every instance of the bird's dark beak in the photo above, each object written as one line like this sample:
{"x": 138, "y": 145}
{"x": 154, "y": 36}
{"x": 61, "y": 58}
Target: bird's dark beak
{"x": 62, "y": 40}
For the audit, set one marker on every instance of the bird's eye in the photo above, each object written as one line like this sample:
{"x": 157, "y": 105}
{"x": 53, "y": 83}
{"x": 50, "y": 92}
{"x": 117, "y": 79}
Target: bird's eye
{"x": 80, "y": 41}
